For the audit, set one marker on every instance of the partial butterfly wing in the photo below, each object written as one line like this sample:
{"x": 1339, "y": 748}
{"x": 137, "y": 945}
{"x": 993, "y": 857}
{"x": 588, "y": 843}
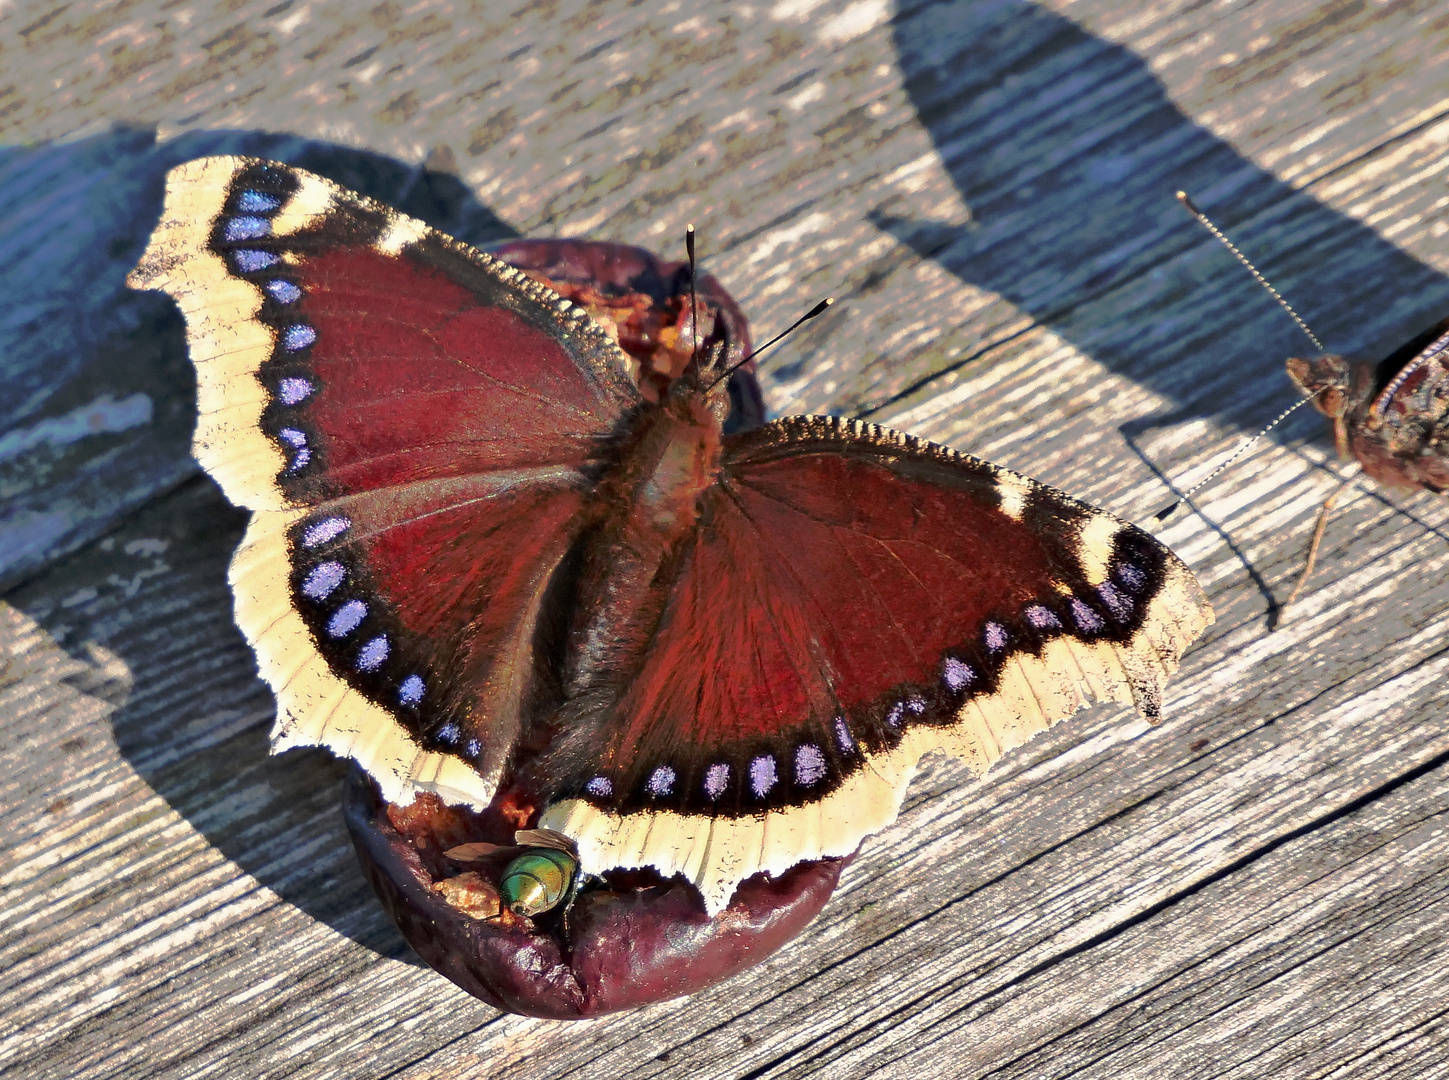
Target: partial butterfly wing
{"x": 1392, "y": 416}
{"x": 411, "y": 423}
{"x": 852, "y": 599}
{"x": 1401, "y": 435}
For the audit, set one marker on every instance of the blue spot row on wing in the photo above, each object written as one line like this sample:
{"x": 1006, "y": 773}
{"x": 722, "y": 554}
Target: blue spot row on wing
{"x": 258, "y": 202}
{"x": 344, "y": 619}
{"x": 253, "y": 222}
{"x": 808, "y": 764}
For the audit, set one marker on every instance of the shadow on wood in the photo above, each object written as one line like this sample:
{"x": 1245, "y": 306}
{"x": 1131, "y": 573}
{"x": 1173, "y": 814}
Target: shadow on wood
{"x": 1066, "y": 151}
{"x": 191, "y": 716}
{"x": 100, "y": 400}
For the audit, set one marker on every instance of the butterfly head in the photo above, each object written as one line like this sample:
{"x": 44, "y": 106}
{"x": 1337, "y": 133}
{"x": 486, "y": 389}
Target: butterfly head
{"x": 702, "y": 391}
{"x": 1328, "y": 380}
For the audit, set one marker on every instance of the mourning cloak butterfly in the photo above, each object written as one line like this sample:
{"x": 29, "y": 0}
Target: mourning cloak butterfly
{"x": 1392, "y": 417}
{"x": 480, "y": 556}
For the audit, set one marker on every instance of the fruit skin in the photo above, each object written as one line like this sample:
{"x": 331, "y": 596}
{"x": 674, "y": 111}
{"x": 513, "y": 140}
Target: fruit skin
{"x": 626, "y": 944}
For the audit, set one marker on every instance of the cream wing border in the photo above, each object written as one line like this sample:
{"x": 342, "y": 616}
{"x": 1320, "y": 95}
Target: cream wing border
{"x": 717, "y": 853}
{"x": 314, "y": 706}
{"x": 227, "y": 342}
{"x": 228, "y": 345}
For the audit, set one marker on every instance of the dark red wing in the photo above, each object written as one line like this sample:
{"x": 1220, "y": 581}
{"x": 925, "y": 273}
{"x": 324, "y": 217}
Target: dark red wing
{"x": 427, "y": 361}
{"x": 412, "y": 422}
{"x": 846, "y": 586}
{"x": 418, "y": 377}
{"x": 427, "y": 599}
{"x": 853, "y": 599}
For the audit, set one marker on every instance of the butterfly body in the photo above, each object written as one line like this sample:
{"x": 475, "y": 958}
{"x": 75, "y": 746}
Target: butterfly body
{"x": 646, "y": 505}
{"x": 1393, "y": 416}
{"x": 484, "y": 562}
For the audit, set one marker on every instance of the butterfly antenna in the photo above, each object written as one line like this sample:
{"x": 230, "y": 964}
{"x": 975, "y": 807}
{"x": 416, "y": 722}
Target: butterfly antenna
{"x": 1207, "y": 224}
{"x": 818, "y": 309}
{"x": 1162, "y": 514}
{"x": 693, "y": 298}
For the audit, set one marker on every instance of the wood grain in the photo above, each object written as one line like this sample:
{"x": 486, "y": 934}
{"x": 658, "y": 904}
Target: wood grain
{"x": 1257, "y": 888}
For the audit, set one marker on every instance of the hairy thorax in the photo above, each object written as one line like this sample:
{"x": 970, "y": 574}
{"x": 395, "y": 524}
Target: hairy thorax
{"x": 649, "y": 504}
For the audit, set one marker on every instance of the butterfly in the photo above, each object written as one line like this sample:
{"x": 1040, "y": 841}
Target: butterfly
{"x": 1391, "y": 416}
{"x": 481, "y": 559}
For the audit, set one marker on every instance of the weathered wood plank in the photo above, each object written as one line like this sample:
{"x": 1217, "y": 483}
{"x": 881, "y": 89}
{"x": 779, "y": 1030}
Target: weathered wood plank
{"x": 1151, "y": 803}
{"x": 1350, "y": 916}
{"x": 1254, "y": 889}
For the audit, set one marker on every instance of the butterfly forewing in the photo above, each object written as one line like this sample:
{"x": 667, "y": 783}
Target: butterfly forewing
{"x": 376, "y": 391}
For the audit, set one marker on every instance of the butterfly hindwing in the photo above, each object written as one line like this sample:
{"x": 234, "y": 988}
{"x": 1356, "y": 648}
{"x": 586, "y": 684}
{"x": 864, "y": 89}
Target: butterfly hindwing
{"x": 891, "y": 597}
{"x": 374, "y": 391}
